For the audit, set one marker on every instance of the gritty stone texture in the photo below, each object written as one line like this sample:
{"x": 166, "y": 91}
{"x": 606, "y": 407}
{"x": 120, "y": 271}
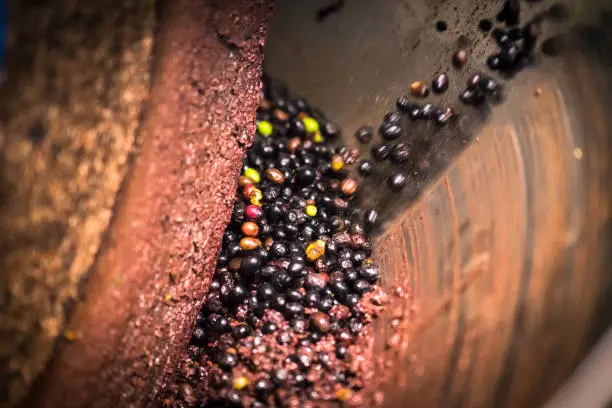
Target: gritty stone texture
{"x": 157, "y": 258}
{"x": 76, "y": 76}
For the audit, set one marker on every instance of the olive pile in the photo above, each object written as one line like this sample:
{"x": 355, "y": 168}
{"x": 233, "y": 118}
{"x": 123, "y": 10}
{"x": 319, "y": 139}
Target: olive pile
{"x": 294, "y": 285}
{"x": 285, "y": 320}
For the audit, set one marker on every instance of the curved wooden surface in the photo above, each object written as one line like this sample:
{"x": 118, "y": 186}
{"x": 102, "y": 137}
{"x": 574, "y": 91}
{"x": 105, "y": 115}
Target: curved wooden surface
{"x": 509, "y": 253}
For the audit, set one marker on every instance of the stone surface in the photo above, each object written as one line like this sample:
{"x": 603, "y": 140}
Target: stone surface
{"x": 76, "y": 76}
{"x": 80, "y": 149}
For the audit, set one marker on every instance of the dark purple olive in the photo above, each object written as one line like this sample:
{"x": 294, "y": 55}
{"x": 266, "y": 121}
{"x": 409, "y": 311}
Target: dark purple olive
{"x": 397, "y": 181}
{"x": 445, "y": 116}
{"x": 403, "y": 104}
{"x": 485, "y": 25}
{"x": 371, "y": 219}
{"x": 441, "y": 26}
{"x": 473, "y": 81}
{"x": 380, "y": 151}
{"x": 510, "y": 13}
{"x": 390, "y": 131}
{"x": 494, "y": 62}
{"x": 439, "y": 84}
{"x": 364, "y": 134}
{"x": 392, "y": 117}
{"x": 400, "y": 153}
{"x": 365, "y": 168}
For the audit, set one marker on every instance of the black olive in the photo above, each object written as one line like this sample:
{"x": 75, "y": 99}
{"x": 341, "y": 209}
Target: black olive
{"x": 392, "y": 117}
{"x": 227, "y": 361}
{"x": 325, "y": 303}
{"x": 293, "y": 309}
{"x": 439, "y": 84}
{"x": 361, "y": 287}
{"x": 305, "y": 176}
{"x": 365, "y": 167}
{"x": 390, "y": 131}
{"x": 364, "y": 134}
{"x": 263, "y": 387}
{"x": 400, "y": 153}
{"x": 403, "y": 104}
{"x": 441, "y": 25}
{"x": 265, "y": 292}
{"x": 380, "y": 151}
{"x": 241, "y": 331}
{"x": 460, "y": 58}
{"x": 511, "y": 12}
{"x": 199, "y": 336}
{"x": 397, "y": 181}
{"x": 268, "y": 328}
{"x": 494, "y": 61}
